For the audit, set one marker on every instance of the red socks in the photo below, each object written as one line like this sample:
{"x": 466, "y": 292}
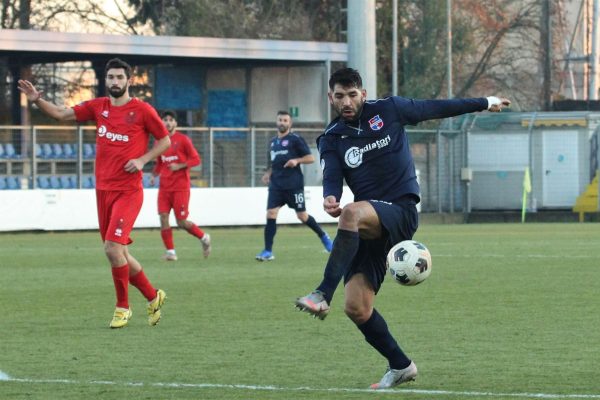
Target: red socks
{"x": 167, "y": 238}
{"x": 194, "y": 230}
{"x": 141, "y": 282}
{"x": 121, "y": 279}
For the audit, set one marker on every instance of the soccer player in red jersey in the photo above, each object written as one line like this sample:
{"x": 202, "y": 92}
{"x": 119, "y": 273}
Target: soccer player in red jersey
{"x": 123, "y": 128}
{"x": 173, "y": 167}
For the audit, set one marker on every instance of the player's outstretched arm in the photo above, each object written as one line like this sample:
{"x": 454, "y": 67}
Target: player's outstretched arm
{"x": 60, "y": 113}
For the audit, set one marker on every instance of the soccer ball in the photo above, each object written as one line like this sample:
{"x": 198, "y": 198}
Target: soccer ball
{"x": 409, "y": 262}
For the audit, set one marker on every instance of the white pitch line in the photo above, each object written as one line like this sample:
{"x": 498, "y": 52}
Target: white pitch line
{"x": 4, "y": 377}
{"x": 513, "y": 255}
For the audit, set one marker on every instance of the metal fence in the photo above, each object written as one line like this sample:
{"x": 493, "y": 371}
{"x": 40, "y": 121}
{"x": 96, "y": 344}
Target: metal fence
{"x": 476, "y": 165}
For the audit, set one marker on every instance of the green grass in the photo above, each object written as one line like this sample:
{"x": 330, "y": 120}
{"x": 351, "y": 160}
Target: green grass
{"x": 508, "y": 310}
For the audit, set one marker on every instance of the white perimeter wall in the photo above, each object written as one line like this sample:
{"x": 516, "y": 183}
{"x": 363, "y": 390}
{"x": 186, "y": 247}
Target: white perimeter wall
{"x": 76, "y": 209}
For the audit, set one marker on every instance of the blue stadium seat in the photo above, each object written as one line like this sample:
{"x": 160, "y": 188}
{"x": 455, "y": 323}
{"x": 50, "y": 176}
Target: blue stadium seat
{"x": 86, "y": 182}
{"x": 38, "y": 151}
{"x": 3, "y": 185}
{"x": 43, "y": 182}
{"x": 65, "y": 182}
{"x": 88, "y": 150}
{"x": 57, "y": 151}
{"x": 54, "y": 182}
{"x": 69, "y": 150}
{"x": 73, "y": 180}
{"x": 10, "y": 152}
{"x": 13, "y": 182}
{"x": 89, "y": 181}
{"x": 47, "y": 151}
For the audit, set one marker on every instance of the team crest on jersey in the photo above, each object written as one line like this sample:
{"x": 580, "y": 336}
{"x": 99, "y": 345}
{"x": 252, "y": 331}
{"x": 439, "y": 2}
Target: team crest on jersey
{"x": 105, "y": 113}
{"x": 130, "y": 119}
{"x": 284, "y": 143}
{"x": 376, "y": 123}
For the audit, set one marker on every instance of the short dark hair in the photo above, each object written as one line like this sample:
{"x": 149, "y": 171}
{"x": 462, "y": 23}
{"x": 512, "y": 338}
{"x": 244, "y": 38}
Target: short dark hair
{"x": 283, "y": 112}
{"x": 347, "y": 77}
{"x": 118, "y": 63}
{"x": 170, "y": 113}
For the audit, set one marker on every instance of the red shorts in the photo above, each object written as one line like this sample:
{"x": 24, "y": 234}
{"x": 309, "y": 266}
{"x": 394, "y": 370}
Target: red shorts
{"x": 178, "y": 201}
{"x": 117, "y": 212}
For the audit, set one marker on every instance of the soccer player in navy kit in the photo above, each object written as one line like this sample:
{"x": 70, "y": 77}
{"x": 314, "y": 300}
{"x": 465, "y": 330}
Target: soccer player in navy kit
{"x": 286, "y": 183}
{"x": 368, "y": 147}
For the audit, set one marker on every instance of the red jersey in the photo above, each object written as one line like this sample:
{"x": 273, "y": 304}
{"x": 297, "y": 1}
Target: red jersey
{"x": 181, "y": 151}
{"x": 122, "y": 134}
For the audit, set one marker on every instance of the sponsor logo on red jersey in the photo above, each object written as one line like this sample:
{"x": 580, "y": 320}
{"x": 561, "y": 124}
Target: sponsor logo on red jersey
{"x": 113, "y": 137}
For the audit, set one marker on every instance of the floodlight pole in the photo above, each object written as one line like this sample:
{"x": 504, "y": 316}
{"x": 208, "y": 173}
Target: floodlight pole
{"x": 395, "y": 48}
{"x": 593, "y": 89}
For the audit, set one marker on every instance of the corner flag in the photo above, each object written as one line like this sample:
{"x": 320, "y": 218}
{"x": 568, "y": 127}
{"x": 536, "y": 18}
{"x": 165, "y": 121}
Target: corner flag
{"x": 526, "y": 189}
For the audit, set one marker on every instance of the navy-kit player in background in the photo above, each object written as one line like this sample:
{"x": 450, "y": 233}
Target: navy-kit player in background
{"x": 368, "y": 147}
{"x": 286, "y": 183}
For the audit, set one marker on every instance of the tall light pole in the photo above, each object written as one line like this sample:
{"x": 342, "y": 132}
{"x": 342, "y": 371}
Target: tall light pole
{"x": 362, "y": 43}
{"x": 395, "y": 48}
{"x": 449, "y": 45}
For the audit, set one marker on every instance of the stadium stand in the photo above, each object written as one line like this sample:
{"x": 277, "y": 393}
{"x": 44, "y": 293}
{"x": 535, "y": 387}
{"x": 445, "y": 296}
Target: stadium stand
{"x": 43, "y": 182}
{"x": 3, "y": 185}
{"x": 89, "y": 150}
{"x": 10, "y": 152}
{"x": 2, "y": 153}
{"x": 65, "y": 182}
{"x": 13, "y": 182}
{"x": 47, "y": 151}
{"x": 89, "y": 181}
{"x": 54, "y": 182}
{"x": 69, "y": 150}
{"x": 57, "y": 151}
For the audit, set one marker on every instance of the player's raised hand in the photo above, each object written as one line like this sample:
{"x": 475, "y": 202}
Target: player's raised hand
{"x": 496, "y": 104}
{"x": 332, "y": 206}
{"x": 29, "y": 90}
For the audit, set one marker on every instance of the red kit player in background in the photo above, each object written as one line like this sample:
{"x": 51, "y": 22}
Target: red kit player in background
{"x": 173, "y": 167}
{"x": 123, "y": 128}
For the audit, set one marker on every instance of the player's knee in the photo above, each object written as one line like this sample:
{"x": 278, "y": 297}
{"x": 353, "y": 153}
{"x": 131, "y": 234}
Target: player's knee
{"x": 350, "y": 214}
{"x": 115, "y": 252}
{"x": 182, "y": 223}
{"x": 358, "y": 313}
{"x": 303, "y": 217}
{"x": 272, "y": 214}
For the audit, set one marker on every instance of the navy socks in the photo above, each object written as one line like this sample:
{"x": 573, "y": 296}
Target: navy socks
{"x": 344, "y": 249}
{"x": 312, "y": 224}
{"x": 270, "y": 230}
{"x": 378, "y": 335}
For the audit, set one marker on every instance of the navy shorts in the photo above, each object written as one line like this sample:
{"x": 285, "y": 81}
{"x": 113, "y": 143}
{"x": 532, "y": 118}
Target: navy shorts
{"x": 294, "y": 199}
{"x": 399, "y": 221}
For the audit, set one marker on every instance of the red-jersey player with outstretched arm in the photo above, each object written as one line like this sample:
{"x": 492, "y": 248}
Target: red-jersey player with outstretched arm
{"x": 123, "y": 128}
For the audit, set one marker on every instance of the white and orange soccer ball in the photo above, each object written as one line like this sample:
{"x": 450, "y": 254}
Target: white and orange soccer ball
{"x": 409, "y": 262}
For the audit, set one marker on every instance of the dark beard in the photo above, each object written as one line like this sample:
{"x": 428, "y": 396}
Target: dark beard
{"x": 116, "y": 92}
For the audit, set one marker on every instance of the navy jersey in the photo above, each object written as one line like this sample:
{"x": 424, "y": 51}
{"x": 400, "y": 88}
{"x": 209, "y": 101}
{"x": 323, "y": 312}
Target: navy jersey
{"x": 373, "y": 154}
{"x": 281, "y": 151}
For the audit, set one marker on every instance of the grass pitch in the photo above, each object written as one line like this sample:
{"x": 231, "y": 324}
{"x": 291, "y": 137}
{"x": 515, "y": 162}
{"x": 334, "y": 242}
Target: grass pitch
{"x": 509, "y": 312}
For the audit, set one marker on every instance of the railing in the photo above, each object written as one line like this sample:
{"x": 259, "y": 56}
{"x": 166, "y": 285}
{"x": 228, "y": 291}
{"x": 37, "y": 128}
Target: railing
{"x": 231, "y": 157}
{"x": 478, "y": 166}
